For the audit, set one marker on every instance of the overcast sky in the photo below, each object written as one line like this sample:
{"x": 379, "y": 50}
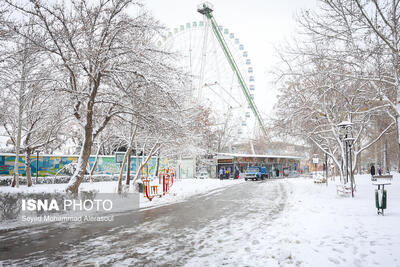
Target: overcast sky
{"x": 260, "y": 25}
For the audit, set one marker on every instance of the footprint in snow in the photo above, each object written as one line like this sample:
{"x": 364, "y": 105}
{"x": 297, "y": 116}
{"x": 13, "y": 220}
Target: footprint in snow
{"x": 357, "y": 263}
{"x": 333, "y": 260}
{"x": 337, "y": 250}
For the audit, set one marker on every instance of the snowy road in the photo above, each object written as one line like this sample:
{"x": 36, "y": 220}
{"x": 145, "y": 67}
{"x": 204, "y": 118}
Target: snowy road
{"x": 224, "y": 227}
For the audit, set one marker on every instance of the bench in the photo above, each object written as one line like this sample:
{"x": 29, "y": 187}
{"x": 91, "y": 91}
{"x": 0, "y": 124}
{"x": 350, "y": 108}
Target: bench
{"x": 319, "y": 180}
{"x": 343, "y": 190}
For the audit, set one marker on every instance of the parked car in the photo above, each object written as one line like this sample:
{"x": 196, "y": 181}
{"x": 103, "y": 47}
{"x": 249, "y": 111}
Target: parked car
{"x": 255, "y": 173}
{"x": 202, "y": 175}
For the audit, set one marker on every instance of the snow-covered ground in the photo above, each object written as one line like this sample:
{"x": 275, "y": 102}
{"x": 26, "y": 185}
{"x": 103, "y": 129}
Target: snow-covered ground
{"x": 317, "y": 227}
{"x": 309, "y": 225}
{"x": 320, "y": 228}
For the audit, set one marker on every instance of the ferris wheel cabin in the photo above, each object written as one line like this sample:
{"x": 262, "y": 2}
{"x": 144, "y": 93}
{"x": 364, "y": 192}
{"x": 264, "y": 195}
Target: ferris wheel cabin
{"x": 205, "y": 8}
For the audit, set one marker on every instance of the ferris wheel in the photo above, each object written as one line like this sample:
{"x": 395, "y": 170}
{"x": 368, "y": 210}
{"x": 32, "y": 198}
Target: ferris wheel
{"x": 213, "y": 82}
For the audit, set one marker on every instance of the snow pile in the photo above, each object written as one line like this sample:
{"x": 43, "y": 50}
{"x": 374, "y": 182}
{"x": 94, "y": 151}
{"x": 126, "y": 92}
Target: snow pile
{"x": 320, "y": 228}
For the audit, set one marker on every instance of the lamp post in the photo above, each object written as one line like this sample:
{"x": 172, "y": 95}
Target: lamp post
{"x": 345, "y": 135}
{"x": 341, "y": 137}
{"x": 326, "y": 168}
{"x": 349, "y": 141}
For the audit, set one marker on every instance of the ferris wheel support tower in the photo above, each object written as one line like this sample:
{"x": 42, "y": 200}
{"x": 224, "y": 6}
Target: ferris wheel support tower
{"x": 206, "y": 9}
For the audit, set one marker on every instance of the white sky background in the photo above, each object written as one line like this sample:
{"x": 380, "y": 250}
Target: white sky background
{"x": 260, "y": 26}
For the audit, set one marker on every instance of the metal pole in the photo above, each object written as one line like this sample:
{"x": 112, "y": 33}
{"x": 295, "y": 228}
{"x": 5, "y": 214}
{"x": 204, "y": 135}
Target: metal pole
{"x": 128, "y": 169}
{"x": 341, "y": 166}
{"x": 351, "y": 172}
{"x": 347, "y": 162}
{"x": 37, "y": 166}
{"x": 326, "y": 168}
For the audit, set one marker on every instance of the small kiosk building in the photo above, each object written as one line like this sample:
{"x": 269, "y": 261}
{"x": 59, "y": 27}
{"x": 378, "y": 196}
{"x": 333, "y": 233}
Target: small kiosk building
{"x": 275, "y": 164}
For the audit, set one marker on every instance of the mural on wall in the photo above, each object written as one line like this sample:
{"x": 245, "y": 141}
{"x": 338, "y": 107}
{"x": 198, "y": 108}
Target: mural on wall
{"x": 50, "y": 165}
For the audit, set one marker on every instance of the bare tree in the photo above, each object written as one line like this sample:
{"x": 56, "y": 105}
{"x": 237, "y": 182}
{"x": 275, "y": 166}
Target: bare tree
{"x": 372, "y": 29}
{"x": 28, "y": 92}
{"x": 91, "y": 46}
{"x": 317, "y": 93}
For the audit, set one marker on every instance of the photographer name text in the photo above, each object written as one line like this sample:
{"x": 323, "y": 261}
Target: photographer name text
{"x": 48, "y": 218}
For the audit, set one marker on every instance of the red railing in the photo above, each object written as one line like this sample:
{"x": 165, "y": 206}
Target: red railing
{"x": 165, "y": 178}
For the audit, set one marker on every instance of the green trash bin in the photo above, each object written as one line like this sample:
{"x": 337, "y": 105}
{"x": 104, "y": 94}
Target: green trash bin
{"x": 383, "y": 204}
{"x": 384, "y": 199}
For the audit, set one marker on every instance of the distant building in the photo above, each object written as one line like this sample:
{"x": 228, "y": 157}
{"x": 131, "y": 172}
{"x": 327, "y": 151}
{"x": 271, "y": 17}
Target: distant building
{"x": 286, "y": 165}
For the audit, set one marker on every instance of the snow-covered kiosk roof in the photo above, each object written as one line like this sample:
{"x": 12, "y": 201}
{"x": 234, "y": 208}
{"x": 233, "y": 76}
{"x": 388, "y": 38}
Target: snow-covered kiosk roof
{"x": 233, "y": 155}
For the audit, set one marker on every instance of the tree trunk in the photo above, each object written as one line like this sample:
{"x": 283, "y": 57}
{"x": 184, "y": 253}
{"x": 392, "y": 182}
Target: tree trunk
{"x": 398, "y": 158}
{"x": 398, "y": 136}
{"x": 128, "y": 170}
{"x": 15, "y": 182}
{"x": 28, "y": 167}
{"x": 21, "y": 93}
{"x": 157, "y": 164}
{"x": 398, "y": 146}
{"x": 137, "y": 158}
{"x": 384, "y": 155}
{"x": 153, "y": 150}
{"x": 341, "y": 170}
{"x": 77, "y": 177}
{"x": 92, "y": 169}
{"x": 127, "y": 155}
{"x": 94, "y": 164}
{"x": 359, "y": 167}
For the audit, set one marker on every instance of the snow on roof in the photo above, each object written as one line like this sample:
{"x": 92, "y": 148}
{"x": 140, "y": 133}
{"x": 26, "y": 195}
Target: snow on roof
{"x": 257, "y": 156}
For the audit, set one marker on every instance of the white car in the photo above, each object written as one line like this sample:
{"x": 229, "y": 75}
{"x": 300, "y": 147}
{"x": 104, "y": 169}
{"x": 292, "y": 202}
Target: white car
{"x": 203, "y": 175}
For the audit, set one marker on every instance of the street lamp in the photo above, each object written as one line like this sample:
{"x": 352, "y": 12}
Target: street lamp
{"x": 325, "y": 148}
{"x": 350, "y": 141}
{"x": 345, "y": 135}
